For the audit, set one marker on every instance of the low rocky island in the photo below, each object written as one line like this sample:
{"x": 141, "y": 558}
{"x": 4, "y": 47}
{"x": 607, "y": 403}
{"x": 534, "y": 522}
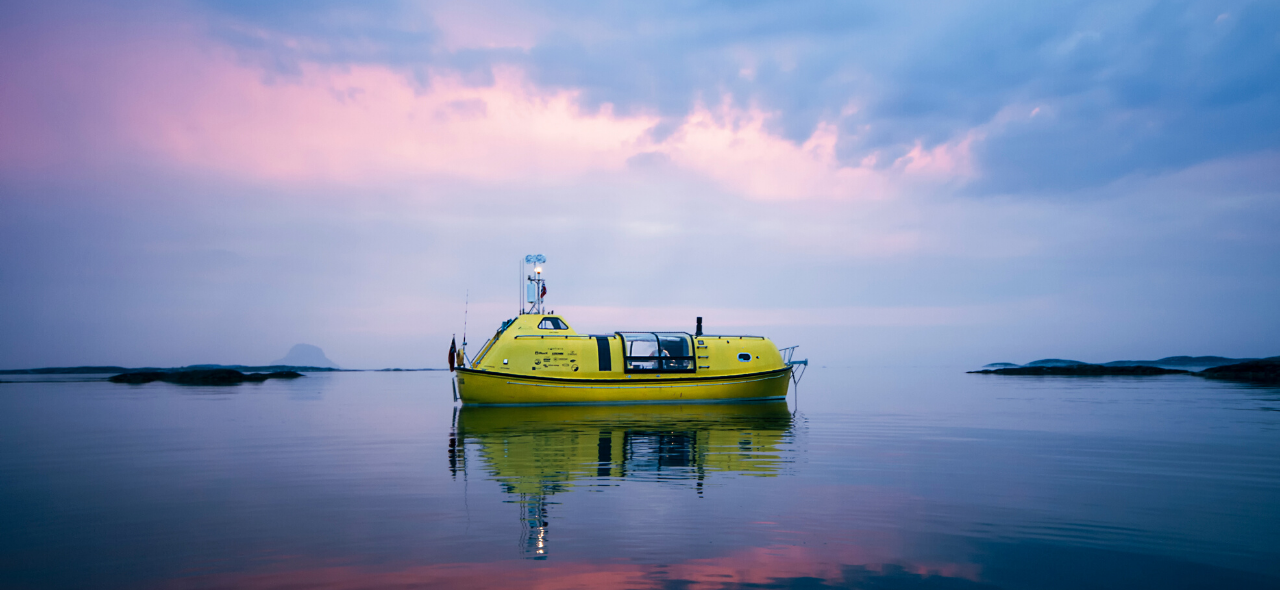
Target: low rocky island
{"x": 100, "y": 370}
{"x": 1189, "y": 362}
{"x": 1262, "y": 371}
{"x": 1082, "y": 369}
{"x": 201, "y": 377}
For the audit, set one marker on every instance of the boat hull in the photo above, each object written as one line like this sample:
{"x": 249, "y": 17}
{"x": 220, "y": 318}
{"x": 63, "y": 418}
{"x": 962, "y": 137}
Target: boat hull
{"x": 492, "y": 388}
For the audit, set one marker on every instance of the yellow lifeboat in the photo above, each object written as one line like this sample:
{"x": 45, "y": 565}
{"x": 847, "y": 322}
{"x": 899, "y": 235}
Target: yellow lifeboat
{"x": 538, "y": 358}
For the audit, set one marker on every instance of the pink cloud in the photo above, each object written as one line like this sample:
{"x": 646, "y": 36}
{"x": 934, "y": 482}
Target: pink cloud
{"x": 946, "y": 161}
{"x": 733, "y": 147}
{"x": 193, "y": 105}
{"x": 170, "y": 98}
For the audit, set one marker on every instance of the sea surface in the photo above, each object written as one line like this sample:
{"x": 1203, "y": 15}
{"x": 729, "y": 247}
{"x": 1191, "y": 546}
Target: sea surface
{"x": 872, "y": 477}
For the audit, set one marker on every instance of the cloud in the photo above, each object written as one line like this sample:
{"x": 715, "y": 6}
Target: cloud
{"x": 189, "y": 104}
{"x": 194, "y": 107}
{"x": 1121, "y": 89}
{"x": 1135, "y": 87}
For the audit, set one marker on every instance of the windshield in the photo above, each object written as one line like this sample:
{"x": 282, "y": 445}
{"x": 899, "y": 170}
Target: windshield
{"x": 657, "y": 351}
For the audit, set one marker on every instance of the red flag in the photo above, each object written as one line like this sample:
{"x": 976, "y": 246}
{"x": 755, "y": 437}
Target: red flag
{"x": 544, "y": 290}
{"x": 453, "y": 352}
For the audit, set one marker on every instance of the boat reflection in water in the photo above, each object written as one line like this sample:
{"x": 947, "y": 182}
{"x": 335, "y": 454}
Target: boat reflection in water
{"x": 534, "y": 452}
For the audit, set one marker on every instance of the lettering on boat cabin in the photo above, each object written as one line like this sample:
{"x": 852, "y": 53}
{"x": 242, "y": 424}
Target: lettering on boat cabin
{"x": 555, "y": 358}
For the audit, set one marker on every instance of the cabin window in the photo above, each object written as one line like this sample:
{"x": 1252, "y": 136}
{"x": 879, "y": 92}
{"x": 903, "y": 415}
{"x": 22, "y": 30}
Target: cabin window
{"x": 657, "y": 352}
{"x": 641, "y": 351}
{"x": 744, "y": 356}
{"x": 676, "y": 352}
{"x": 552, "y": 324}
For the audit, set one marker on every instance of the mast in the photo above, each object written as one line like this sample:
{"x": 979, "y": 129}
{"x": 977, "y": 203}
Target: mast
{"x": 534, "y": 284}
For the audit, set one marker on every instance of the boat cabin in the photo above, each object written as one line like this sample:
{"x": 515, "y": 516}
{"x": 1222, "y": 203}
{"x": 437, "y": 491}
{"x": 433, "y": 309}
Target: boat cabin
{"x": 547, "y": 346}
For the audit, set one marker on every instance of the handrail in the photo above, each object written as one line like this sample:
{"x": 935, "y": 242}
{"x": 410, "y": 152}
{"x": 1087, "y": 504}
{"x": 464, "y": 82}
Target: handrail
{"x": 545, "y": 336}
{"x": 797, "y": 367}
{"x": 484, "y": 348}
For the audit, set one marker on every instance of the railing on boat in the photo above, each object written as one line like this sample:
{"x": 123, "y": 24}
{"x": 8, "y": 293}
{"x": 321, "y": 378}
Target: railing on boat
{"x": 798, "y": 367}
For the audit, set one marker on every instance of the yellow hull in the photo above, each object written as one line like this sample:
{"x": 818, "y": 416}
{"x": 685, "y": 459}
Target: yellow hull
{"x": 578, "y": 419}
{"x": 493, "y": 388}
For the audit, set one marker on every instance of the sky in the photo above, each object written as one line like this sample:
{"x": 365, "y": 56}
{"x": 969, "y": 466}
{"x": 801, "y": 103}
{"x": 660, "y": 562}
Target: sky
{"x": 880, "y": 183}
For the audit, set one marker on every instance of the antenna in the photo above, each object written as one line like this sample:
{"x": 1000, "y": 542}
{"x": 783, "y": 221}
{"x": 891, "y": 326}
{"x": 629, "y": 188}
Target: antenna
{"x": 466, "y": 307}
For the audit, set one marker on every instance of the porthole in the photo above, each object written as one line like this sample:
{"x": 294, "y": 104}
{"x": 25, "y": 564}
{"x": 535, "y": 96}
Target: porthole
{"x": 744, "y": 356}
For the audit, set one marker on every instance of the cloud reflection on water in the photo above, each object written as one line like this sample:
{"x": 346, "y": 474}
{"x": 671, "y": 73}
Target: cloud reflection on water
{"x": 774, "y": 566}
{"x": 867, "y": 560}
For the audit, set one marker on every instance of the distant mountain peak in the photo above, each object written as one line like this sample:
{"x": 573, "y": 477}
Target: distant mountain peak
{"x": 306, "y": 355}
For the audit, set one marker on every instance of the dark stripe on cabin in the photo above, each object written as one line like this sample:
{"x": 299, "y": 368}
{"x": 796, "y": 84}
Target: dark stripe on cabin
{"x": 602, "y": 346}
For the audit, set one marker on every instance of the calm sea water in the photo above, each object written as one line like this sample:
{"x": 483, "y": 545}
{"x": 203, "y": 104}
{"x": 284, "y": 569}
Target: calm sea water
{"x": 902, "y": 477}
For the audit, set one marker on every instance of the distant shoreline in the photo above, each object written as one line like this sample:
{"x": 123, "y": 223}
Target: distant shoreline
{"x": 1261, "y": 371}
{"x": 1169, "y": 362}
{"x": 113, "y": 370}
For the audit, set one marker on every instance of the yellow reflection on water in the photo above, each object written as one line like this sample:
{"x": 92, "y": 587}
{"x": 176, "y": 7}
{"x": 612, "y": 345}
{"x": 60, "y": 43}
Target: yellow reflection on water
{"x": 534, "y": 452}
